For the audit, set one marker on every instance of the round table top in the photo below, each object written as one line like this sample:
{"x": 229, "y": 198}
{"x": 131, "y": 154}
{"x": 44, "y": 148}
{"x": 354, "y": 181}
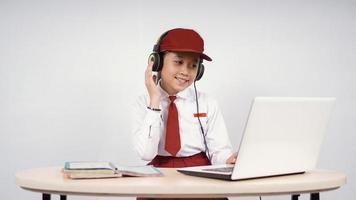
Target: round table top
{"x": 174, "y": 184}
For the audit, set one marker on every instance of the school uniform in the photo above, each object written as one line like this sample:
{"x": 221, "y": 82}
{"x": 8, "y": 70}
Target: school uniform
{"x": 149, "y": 127}
{"x": 149, "y": 131}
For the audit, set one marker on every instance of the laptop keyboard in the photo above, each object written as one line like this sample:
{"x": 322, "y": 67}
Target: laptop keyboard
{"x": 220, "y": 169}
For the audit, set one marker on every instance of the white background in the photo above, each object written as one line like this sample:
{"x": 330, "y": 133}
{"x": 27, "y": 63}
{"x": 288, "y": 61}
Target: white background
{"x": 69, "y": 71}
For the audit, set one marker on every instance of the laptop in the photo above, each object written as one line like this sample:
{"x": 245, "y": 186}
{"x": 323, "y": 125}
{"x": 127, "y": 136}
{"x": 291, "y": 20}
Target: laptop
{"x": 282, "y": 136}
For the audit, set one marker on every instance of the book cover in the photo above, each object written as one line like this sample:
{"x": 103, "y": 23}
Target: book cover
{"x": 147, "y": 170}
{"x": 80, "y": 170}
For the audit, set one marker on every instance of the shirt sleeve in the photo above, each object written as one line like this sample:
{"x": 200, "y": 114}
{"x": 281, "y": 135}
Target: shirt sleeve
{"x": 145, "y": 129}
{"x": 217, "y": 137}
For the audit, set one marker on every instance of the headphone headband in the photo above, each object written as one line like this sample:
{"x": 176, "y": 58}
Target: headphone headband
{"x": 156, "y": 48}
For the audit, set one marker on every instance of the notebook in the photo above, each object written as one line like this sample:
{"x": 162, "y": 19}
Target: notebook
{"x": 282, "y": 136}
{"x": 99, "y": 169}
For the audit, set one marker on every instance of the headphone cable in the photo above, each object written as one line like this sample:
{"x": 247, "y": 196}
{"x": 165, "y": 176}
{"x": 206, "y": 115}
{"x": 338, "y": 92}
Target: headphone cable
{"x": 201, "y": 126}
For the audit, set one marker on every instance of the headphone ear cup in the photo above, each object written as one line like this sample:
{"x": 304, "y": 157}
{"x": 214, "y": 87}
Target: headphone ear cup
{"x": 156, "y": 59}
{"x": 200, "y": 72}
{"x": 160, "y": 66}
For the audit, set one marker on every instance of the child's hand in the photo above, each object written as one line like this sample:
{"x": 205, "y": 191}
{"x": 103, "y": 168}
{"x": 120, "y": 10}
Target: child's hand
{"x": 232, "y": 159}
{"x": 152, "y": 88}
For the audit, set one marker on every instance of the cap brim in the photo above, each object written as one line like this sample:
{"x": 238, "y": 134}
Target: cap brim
{"x": 202, "y": 55}
{"x": 206, "y": 57}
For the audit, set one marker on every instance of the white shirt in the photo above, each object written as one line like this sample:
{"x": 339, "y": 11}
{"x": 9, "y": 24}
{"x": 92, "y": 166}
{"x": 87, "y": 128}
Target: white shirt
{"x": 149, "y": 127}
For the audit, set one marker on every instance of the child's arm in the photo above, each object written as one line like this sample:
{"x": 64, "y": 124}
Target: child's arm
{"x": 218, "y": 140}
{"x": 152, "y": 88}
{"x": 146, "y": 129}
{"x": 146, "y": 118}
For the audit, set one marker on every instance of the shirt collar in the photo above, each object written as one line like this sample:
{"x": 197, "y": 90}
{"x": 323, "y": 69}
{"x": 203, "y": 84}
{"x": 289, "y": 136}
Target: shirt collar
{"x": 187, "y": 93}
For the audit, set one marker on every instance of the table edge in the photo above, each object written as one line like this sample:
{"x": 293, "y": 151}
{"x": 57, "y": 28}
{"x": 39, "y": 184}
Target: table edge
{"x": 178, "y": 195}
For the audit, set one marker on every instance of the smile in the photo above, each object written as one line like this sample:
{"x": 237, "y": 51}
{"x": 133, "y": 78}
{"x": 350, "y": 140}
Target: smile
{"x": 181, "y": 80}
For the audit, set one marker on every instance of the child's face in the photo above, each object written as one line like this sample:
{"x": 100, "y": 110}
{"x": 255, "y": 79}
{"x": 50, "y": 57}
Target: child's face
{"x": 179, "y": 71}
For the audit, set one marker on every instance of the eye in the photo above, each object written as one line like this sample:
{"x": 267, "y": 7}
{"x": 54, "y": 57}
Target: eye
{"x": 179, "y": 62}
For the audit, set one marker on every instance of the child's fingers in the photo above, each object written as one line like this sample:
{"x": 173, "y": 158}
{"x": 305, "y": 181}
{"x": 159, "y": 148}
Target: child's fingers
{"x": 150, "y": 65}
{"x": 150, "y": 62}
{"x": 148, "y": 73}
{"x": 149, "y": 68}
{"x": 232, "y": 159}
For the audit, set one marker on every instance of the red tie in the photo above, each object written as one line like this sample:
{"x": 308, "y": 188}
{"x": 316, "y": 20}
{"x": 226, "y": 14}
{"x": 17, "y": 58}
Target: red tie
{"x": 172, "y": 132}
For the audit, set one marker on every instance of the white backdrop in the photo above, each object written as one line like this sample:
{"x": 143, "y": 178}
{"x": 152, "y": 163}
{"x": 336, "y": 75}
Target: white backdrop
{"x": 69, "y": 71}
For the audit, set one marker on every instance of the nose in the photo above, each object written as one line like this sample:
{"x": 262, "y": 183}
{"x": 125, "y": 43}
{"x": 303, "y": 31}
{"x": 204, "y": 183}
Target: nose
{"x": 184, "y": 70}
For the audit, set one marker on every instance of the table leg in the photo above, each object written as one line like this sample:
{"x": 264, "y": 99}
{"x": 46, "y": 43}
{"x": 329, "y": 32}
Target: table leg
{"x": 46, "y": 196}
{"x": 314, "y": 196}
{"x": 63, "y": 197}
{"x": 295, "y": 196}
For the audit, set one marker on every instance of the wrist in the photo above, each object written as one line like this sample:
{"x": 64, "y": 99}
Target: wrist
{"x": 154, "y": 109}
{"x": 154, "y": 103}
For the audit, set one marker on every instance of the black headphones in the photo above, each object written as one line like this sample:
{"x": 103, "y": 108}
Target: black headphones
{"x": 157, "y": 57}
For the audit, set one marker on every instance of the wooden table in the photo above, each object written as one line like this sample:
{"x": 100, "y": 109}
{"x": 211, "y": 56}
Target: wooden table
{"x": 50, "y": 180}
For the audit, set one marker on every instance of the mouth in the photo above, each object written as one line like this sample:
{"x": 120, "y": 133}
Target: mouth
{"x": 181, "y": 80}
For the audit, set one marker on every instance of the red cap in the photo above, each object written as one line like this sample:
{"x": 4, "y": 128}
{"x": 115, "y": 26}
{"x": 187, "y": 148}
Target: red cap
{"x": 184, "y": 40}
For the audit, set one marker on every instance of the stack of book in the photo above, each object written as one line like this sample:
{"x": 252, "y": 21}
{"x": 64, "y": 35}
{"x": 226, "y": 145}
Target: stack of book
{"x": 81, "y": 170}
